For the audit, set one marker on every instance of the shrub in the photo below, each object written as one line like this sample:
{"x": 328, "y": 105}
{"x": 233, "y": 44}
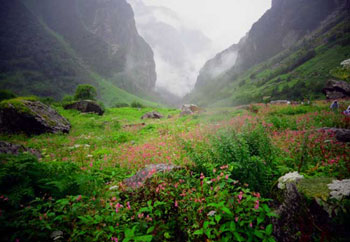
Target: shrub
{"x": 121, "y": 105}
{"x": 136, "y": 104}
{"x": 6, "y": 94}
{"x": 250, "y": 153}
{"x": 85, "y": 92}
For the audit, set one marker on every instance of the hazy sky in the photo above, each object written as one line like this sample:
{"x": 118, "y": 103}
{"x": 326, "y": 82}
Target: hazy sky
{"x": 223, "y": 21}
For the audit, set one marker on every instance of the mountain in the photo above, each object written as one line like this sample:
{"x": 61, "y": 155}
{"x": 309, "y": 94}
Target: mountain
{"x": 287, "y": 53}
{"x": 49, "y": 47}
{"x": 178, "y": 49}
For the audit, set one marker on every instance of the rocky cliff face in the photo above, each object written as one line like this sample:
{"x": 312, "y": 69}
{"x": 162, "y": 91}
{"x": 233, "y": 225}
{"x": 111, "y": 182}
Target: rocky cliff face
{"x": 98, "y": 36}
{"x": 281, "y": 27}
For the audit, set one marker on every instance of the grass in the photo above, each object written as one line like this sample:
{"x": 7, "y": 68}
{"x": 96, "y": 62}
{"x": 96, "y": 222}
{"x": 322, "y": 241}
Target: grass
{"x": 69, "y": 188}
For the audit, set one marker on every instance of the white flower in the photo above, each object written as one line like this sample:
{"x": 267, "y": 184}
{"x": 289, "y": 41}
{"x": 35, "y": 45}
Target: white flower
{"x": 113, "y": 188}
{"x": 345, "y": 63}
{"x": 339, "y": 189}
{"x": 212, "y": 213}
{"x": 288, "y": 178}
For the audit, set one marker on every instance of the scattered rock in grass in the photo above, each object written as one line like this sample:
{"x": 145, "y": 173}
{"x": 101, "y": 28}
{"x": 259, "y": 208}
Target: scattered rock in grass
{"x": 337, "y": 89}
{"x": 152, "y": 115}
{"x": 280, "y": 102}
{"x": 188, "y": 109}
{"x": 291, "y": 177}
{"x": 13, "y": 149}
{"x": 342, "y": 135}
{"x": 31, "y": 117}
{"x": 57, "y": 236}
{"x": 345, "y": 63}
{"x": 140, "y": 177}
{"x": 128, "y": 126}
{"x": 86, "y": 106}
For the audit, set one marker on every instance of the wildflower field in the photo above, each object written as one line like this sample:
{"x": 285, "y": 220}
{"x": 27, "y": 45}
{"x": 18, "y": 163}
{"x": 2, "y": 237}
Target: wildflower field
{"x": 226, "y": 189}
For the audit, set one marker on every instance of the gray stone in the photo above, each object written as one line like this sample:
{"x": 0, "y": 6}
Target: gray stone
{"x": 86, "y": 106}
{"x": 152, "y": 115}
{"x": 337, "y": 89}
{"x": 188, "y": 109}
{"x": 14, "y": 149}
{"x": 342, "y": 135}
{"x": 30, "y": 117}
{"x": 140, "y": 177}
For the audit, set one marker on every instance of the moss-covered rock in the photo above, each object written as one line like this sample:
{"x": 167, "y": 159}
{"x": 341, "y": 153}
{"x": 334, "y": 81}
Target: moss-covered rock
{"x": 27, "y": 115}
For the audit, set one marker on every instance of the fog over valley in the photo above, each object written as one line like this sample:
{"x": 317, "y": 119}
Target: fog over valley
{"x": 183, "y": 40}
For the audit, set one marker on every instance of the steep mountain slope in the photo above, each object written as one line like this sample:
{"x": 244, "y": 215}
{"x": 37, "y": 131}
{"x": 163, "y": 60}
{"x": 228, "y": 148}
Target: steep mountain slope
{"x": 178, "y": 49}
{"x": 287, "y": 54}
{"x": 48, "y": 47}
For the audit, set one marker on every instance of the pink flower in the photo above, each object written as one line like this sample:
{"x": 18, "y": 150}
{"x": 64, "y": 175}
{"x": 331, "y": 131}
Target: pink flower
{"x": 226, "y": 177}
{"x": 236, "y": 219}
{"x": 91, "y": 164}
{"x": 115, "y": 239}
{"x": 256, "y": 204}
{"x": 79, "y": 198}
{"x": 176, "y": 205}
{"x": 128, "y": 205}
{"x": 251, "y": 225}
{"x": 240, "y": 196}
{"x": 117, "y": 207}
{"x": 214, "y": 170}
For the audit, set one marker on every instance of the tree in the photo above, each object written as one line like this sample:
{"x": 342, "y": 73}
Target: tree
{"x": 85, "y": 92}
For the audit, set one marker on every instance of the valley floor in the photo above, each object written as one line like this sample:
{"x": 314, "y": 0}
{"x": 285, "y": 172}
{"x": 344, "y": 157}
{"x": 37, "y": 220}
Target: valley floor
{"x": 227, "y": 189}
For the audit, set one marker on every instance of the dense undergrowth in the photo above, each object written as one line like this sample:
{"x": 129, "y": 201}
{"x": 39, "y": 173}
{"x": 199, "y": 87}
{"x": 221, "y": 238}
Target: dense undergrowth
{"x": 226, "y": 190}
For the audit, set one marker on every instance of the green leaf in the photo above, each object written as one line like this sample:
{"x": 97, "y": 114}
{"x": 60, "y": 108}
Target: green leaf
{"x": 144, "y": 238}
{"x": 238, "y": 236}
{"x": 167, "y": 235}
{"x": 150, "y": 230}
{"x": 226, "y": 210}
{"x": 217, "y": 218}
{"x": 259, "y": 234}
{"x": 269, "y": 229}
{"x": 198, "y": 232}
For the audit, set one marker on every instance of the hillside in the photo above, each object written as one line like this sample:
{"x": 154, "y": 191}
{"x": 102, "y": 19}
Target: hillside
{"x": 49, "y": 47}
{"x": 288, "y": 53}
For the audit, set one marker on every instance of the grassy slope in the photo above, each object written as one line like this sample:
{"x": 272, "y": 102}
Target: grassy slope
{"x": 52, "y": 60}
{"x": 284, "y": 76}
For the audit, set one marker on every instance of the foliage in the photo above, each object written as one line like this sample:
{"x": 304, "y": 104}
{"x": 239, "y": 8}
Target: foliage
{"x": 85, "y": 92}
{"x": 136, "y": 104}
{"x": 6, "y": 94}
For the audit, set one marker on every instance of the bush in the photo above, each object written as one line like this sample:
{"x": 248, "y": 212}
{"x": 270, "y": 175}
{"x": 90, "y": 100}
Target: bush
{"x": 250, "y": 153}
{"x": 121, "y": 105}
{"x": 6, "y": 94}
{"x": 85, "y": 92}
{"x": 135, "y": 104}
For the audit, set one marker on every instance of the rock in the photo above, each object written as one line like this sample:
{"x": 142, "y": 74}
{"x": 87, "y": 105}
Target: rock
{"x": 31, "y": 117}
{"x": 337, "y": 89}
{"x": 57, "y": 235}
{"x": 188, "y": 109}
{"x": 86, "y": 106}
{"x": 280, "y": 102}
{"x": 342, "y": 135}
{"x": 345, "y": 63}
{"x": 13, "y": 149}
{"x": 152, "y": 115}
{"x": 285, "y": 225}
{"x": 140, "y": 177}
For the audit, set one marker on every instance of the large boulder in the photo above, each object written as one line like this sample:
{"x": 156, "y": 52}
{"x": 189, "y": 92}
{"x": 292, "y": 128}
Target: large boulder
{"x": 31, "y": 117}
{"x": 337, "y": 89}
{"x": 14, "y": 149}
{"x": 152, "y": 115}
{"x": 85, "y": 106}
{"x": 188, "y": 109}
{"x": 342, "y": 135}
{"x": 140, "y": 177}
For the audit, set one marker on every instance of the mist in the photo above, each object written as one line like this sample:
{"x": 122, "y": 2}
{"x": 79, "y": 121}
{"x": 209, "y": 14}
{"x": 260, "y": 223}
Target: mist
{"x": 184, "y": 35}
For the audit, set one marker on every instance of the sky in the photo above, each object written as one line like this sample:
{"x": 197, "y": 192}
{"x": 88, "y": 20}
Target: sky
{"x": 225, "y": 22}
{"x": 222, "y": 22}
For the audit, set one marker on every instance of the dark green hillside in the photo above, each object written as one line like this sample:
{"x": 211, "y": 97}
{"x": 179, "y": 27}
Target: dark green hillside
{"x": 48, "y": 49}
{"x": 295, "y": 73}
